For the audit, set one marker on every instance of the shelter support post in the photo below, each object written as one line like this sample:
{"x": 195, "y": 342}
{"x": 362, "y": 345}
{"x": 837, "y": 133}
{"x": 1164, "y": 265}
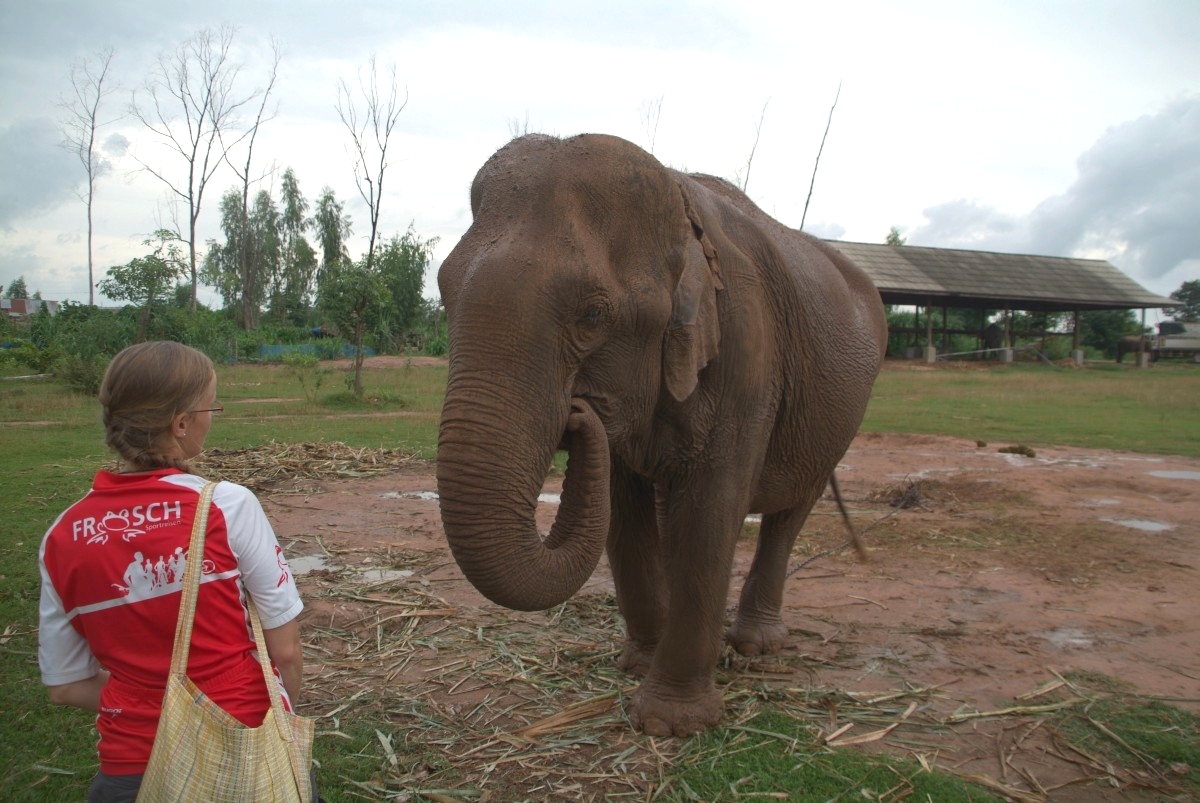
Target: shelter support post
{"x": 1006, "y": 353}
{"x": 1143, "y": 360}
{"x": 1076, "y": 348}
{"x": 930, "y": 349}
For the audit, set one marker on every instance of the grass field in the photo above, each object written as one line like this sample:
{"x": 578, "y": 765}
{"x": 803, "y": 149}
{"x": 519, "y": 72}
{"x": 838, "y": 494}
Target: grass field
{"x": 51, "y": 444}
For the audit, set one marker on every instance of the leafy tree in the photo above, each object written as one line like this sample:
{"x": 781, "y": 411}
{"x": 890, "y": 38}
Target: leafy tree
{"x": 17, "y": 289}
{"x": 246, "y": 264}
{"x": 401, "y": 263}
{"x": 894, "y": 238}
{"x": 292, "y": 292}
{"x": 142, "y": 280}
{"x": 333, "y": 228}
{"x": 1100, "y": 330}
{"x": 354, "y": 296}
{"x": 262, "y": 255}
{"x": 182, "y": 297}
{"x": 1189, "y": 294}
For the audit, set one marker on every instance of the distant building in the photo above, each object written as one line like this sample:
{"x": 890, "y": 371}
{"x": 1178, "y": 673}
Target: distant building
{"x": 21, "y": 309}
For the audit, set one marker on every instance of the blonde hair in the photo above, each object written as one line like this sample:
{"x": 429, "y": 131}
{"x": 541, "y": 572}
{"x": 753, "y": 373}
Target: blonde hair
{"x": 144, "y": 387}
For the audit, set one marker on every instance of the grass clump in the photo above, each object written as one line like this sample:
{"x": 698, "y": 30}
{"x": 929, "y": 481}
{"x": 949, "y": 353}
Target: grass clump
{"x": 1142, "y": 741}
{"x": 774, "y": 756}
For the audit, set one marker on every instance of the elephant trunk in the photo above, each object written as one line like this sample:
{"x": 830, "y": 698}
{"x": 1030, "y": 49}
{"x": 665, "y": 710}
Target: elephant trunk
{"x": 490, "y": 472}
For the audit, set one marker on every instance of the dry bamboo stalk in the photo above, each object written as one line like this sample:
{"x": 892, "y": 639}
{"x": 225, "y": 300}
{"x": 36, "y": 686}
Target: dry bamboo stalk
{"x": 1015, "y": 710}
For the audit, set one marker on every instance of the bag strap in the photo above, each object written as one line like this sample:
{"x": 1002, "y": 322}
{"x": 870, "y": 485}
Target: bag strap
{"x": 283, "y": 722}
{"x": 187, "y": 616}
{"x": 285, "y": 729}
{"x": 191, "y": 583}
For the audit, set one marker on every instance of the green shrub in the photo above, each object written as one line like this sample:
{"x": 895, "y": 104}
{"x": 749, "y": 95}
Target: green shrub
{"x": 83, "y": 374}
{"x": 88, "y": 331}
{"x": 308, "y": 371}
{"x": 38, "y": 360}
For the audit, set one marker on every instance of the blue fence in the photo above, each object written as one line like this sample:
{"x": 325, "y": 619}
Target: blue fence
{"x": 322, "y": 351}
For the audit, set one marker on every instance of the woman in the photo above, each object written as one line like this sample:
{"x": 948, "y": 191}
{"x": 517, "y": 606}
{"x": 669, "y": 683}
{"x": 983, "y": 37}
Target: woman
{"x": 112, "y": 568}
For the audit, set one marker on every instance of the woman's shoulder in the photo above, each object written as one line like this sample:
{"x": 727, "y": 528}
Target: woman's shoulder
{"x": 225, "y": 492}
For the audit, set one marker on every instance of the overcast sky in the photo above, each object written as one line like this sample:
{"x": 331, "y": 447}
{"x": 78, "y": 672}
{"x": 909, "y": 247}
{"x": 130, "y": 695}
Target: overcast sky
{"x": 1051, "y": 127}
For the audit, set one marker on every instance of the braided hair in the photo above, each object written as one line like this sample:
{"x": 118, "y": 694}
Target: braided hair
{"x": 144, "y": 387}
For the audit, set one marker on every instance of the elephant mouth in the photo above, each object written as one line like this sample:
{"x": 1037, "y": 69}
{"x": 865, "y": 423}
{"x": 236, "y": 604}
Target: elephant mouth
{"x": 565, "y": 439}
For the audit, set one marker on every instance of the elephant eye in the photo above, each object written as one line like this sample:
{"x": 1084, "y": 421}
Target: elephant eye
{"x": 593, "y": 314}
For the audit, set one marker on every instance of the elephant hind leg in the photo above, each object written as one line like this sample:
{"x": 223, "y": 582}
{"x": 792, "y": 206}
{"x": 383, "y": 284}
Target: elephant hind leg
{"x": 758, "y": 628}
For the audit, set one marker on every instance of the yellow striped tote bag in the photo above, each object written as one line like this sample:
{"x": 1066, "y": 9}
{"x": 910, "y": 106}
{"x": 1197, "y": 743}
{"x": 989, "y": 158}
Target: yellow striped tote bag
{"x": 201, "y": 752}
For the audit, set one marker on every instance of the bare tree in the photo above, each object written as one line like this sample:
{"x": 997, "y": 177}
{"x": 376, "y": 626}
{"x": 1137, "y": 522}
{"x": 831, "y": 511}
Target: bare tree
{"x": 745, "y": 178}
{"x": 188, "y": 102}
{"x": 80, "y": 123}
{"x": 649, "y": 112}
{"x": 249, "y": 316}
{"x": 370, "y": 133}
{"x": 516, "y": 128}
{"x": 813, "y": 181}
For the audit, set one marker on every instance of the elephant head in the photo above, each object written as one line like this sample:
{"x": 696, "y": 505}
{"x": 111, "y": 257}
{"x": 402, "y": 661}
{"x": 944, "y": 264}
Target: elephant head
{"x": 584, "y": 289}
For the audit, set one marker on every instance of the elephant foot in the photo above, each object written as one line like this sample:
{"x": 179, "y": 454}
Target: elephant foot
{"x": 658, "y": 712}
{"x": 635, "y": 658}
{"x": 757, "y": 637}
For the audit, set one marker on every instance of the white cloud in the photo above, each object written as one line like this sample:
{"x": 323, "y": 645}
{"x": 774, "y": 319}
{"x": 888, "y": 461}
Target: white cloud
{"x": 989, "y": 102}
{"x": 1135, "y": 201}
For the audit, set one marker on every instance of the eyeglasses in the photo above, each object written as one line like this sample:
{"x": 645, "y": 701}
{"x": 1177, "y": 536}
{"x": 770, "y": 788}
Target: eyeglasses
{"x": 220, "y": 408}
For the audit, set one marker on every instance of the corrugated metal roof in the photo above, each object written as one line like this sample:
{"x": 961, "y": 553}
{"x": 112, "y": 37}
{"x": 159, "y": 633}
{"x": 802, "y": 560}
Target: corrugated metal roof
{"x": 910, "y": 274}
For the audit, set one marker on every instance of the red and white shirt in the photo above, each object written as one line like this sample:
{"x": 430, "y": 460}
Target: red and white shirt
{"x": 112, "y": 570}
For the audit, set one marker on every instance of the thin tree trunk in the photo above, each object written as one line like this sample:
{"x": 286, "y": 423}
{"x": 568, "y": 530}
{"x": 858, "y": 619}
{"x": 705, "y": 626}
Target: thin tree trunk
{"x": 359, "y": 332}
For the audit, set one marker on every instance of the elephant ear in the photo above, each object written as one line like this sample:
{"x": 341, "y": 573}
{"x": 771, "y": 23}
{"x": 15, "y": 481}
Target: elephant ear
{"x": 694, "y": 331}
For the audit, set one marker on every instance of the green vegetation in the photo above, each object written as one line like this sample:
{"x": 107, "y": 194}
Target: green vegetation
{"x": 1132, "y": 731}
{"x": 51, "y": 444}
{"x": 774, "y": 752}
{"x": 1103, "y": 406}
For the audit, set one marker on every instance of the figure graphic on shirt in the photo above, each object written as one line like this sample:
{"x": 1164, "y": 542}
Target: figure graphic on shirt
{"x": 283, "y": 565}
{"x": 137, "y": 578}
{"x": 176, "y": 565}
{"x": 160, "y": 572}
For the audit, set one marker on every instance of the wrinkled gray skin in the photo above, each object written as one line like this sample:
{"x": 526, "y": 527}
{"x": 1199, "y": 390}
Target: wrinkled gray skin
{"x": 698, "y": 360}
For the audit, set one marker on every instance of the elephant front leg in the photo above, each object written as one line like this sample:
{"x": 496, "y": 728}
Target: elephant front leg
{"x": 636, "y": 559}
{"x": 679, "y": 696}
{"x": 759, "y": 628}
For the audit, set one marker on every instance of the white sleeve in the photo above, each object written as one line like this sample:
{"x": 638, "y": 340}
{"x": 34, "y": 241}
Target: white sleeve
{"x": 63, "y": 654}
{"x": 265, "y": 573}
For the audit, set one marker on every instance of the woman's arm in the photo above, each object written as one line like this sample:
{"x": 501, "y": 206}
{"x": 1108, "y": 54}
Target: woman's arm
{"x": 283, "y": 646}
{"x": 83, "y": 694}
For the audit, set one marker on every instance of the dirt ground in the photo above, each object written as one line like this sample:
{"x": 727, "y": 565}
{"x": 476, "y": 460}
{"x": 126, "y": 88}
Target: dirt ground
{"x": 996, "y": 582}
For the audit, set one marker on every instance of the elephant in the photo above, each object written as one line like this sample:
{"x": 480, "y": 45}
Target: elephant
{"x": 697, "y": 360}
{"x": 994, "y": 337}
{"x": 1132, "y": 344}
